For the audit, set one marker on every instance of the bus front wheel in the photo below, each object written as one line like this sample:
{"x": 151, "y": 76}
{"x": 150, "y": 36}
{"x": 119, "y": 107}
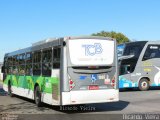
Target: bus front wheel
{"x": 143, "y": 84}
{"x": 37, "y": 96}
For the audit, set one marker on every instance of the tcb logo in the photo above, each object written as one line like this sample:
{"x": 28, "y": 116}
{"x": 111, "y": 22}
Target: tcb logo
{"x": 91, "y": 50}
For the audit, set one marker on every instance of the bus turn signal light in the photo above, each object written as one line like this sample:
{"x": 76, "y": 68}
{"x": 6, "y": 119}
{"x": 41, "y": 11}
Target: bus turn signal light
{"x": 113, "y": 82}
{"x": 71, "y": 84}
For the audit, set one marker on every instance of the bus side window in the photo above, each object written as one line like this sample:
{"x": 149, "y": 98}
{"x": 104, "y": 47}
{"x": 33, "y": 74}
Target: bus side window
{"x": 21, "y": 68}
{"x": 5, "y": 65}
{"x": 46, "y": 62}
{"x": 152, "y": 51}
{"x": 37, "y": 63}
{"x": 15, "y": 65}
{"x": 56, "y": 58}
{"x": 9, "y": 67}
{"x": 4, "y": 68}
{"x": 28, "y": 60}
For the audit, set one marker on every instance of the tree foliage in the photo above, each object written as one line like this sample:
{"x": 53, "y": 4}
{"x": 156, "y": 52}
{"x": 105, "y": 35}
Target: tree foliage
{"x": 121, "y": 38}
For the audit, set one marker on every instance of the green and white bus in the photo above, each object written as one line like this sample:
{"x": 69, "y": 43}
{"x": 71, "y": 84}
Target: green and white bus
{"x": 64, "y": 71}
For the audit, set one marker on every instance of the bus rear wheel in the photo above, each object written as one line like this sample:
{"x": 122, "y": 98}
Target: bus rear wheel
{"x": 143, "y": 84}
{"x": 37, "y": 96}
{"x": 10, "y": 90}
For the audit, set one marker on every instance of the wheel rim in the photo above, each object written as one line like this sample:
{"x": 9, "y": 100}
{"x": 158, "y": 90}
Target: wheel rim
{"x": 144, "y": 84}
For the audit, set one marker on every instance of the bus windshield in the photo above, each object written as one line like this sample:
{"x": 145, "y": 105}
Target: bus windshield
{"x": 120, "y": 49}
{"x": 131, "y": 55}
{"x": 91, "y": 52}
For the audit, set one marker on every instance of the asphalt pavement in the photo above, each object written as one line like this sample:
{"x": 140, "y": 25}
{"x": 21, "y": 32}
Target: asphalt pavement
{"x": 131, "y": 102}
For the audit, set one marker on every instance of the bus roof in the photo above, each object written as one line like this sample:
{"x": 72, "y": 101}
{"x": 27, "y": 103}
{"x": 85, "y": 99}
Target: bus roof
{"x": 91, "y": 37}
{"x": 50, "y": 42}
{"x": 139, "y": 42}
{"x": 134, "y": 42}
{"x": 37, "y": 46}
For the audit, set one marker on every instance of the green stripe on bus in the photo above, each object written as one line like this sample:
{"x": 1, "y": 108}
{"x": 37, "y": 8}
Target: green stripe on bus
{"x": 46, "y": 84}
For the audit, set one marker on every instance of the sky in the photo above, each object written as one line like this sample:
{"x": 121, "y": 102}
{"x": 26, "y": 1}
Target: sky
{"x": 23, "y": 22}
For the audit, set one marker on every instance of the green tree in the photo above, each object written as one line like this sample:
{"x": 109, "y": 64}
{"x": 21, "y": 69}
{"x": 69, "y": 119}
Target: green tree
{"x": 121, "y": 38}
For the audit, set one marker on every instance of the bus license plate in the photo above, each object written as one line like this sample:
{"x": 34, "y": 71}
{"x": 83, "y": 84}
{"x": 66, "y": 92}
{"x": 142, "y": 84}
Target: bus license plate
{"x": 93, "y": 87}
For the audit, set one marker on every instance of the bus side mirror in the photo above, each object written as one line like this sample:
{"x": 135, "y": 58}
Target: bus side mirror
{"x": 3, "y": 70}
{"x": 125, "y": 57}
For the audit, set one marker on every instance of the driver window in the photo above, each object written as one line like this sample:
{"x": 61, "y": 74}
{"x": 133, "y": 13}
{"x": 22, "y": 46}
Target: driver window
{"x": 152, "y": 51}
{"x": 125, "y": 69}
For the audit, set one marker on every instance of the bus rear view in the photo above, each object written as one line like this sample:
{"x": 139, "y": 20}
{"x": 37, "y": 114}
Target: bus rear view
{"x": 64, "y": 71}
{"x": 89, "y": 71}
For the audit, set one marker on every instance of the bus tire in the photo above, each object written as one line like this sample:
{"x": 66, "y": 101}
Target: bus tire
{"x": 37, "y": 96}
{"x": 144, "y": 84}
{"x": 10, "y": 89}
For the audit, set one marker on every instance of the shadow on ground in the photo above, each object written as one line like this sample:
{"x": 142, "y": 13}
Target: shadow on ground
{"x": 91, "y": 108}
{"x": 2, "y": 92}
{"x": 27, "y": 106}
